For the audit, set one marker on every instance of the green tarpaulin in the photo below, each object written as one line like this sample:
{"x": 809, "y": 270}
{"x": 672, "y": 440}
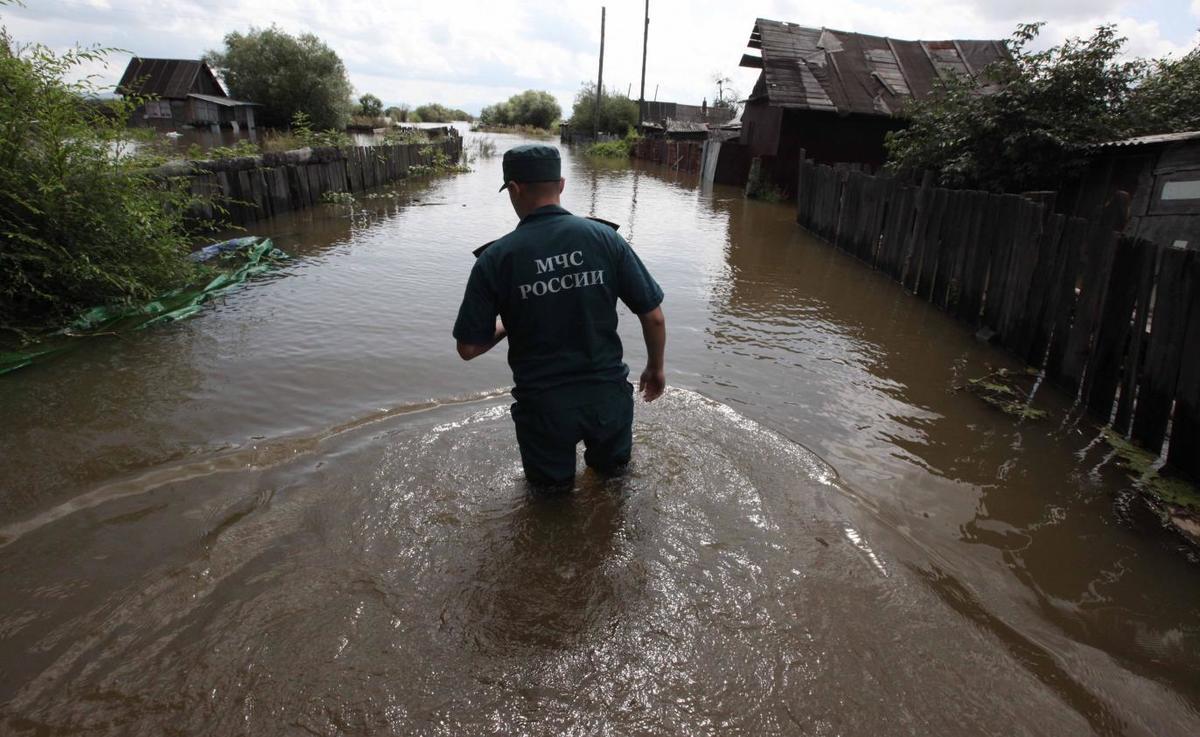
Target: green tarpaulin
{"x": 236, "y": 262}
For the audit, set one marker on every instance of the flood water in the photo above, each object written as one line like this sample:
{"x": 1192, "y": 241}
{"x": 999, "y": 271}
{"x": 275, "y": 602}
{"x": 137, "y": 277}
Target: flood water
{"x": 300, "y": 513}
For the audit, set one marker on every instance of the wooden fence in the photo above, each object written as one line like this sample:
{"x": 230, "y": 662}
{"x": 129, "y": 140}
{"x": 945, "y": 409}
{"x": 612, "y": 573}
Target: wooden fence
{"x": 1113, "y": 321}
{"x": 254, "y": 188}
{"x": 682, "y": 155}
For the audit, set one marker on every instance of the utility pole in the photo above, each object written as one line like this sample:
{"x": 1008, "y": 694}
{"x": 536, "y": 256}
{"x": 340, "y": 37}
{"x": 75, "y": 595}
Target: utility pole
{"x": 599, "y": 81}
{"x": 642, "y": 93}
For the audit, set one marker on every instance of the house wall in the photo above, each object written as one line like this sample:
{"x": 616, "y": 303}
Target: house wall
{"x": 777, "y": 136}
{"x": 200, "y": 111}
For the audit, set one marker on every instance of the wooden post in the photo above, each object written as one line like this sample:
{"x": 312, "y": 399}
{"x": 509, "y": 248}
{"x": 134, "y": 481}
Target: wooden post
{"x": 642, "y": 93}
{"x": 599, "y": 81}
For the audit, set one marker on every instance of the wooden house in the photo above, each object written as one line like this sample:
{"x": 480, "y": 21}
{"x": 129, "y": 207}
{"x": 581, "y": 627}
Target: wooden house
{"x": 181, "y": 92}
{"x": 836, "y": 94}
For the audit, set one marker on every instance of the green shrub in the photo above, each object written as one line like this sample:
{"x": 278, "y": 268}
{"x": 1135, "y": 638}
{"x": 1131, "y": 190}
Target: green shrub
{"x": 618, "y": 149}
{"x": 81, "y": 223}
{"x": 304, "y": 134}
{"x": 617, "y": 112}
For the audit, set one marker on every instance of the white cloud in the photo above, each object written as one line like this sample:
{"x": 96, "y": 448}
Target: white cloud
{"x": 473, "y": 52}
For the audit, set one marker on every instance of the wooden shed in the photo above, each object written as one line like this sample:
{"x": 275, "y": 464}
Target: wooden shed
{"x": 836, "y": 94}
{"x": 1160, "y": 176}
{"x": 181, "y": 92}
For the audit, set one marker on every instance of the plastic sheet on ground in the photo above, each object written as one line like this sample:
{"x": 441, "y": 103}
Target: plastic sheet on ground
{"x": 235, "y": 260}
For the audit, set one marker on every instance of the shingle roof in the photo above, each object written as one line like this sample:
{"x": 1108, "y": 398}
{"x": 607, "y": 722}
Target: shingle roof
{"x": 838, "y": 71}
{"x": 163, "y": 78}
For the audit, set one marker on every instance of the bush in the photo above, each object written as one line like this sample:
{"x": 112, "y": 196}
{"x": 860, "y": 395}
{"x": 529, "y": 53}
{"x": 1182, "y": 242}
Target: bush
{"x": 302, "y": 130}
{"x": 1028, "y": 130}
{"x": 81, "y": 224}
{"x": 286, "y": 75}
{"x": 621, "y": 148}
{"x": 437, "y": 113}
{"x": 617, "y": 112}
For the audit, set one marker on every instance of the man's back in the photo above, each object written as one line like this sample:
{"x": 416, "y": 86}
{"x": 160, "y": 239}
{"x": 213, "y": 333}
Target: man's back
{"x": 555, "y": 281}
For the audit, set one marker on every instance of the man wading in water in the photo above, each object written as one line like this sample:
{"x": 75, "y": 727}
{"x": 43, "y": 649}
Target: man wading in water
{"x": 554, "y": 283}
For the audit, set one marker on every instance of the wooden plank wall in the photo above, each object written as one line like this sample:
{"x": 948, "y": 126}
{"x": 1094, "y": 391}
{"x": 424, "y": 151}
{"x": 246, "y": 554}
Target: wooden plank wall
{"x": 679, "y": 155}
{"x": 256, "y": 188}
{"x": 1111, "y": 320}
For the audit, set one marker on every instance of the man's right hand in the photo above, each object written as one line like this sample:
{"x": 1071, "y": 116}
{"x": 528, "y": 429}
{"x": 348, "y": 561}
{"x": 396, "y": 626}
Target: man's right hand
{"x": 652, "y": 383}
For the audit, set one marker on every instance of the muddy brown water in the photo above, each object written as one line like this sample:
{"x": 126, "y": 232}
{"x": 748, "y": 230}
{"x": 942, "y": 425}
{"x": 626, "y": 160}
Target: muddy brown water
{"x": 300, "y": 513}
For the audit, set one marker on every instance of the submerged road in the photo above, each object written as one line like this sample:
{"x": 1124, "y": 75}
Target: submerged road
{"x": 300, "y": 513}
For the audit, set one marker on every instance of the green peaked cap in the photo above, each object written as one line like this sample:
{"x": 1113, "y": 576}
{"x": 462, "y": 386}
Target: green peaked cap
{"x": 533, "y": 162}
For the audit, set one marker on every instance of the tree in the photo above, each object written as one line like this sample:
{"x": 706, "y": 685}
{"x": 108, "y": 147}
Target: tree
{"x": 81, "y": 222}
{"x": 285, "y": 74}
{"x": 1168, "y": 100}
{"x": 1028, "y": 127}
{"x": 370, "y": 106}
{"x": 534, "y": 108}
{"x": 617, "y": 112}
{"x": 498, "y": 114}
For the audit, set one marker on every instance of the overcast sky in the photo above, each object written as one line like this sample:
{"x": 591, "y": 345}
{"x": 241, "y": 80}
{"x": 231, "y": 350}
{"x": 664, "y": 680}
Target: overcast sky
{"x": 471, "y": 53}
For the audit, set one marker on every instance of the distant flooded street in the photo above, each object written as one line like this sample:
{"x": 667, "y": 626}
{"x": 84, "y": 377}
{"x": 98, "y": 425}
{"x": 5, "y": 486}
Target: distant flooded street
{"x": 300, "y": 513}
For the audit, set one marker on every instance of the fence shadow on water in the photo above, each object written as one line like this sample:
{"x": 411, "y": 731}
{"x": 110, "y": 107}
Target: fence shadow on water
{"x": 1112, "y": 320}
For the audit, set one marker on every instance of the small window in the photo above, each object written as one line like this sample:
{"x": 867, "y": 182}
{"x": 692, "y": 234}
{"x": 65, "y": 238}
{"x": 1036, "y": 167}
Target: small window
{"x": 1186, "y": 189}
{"x": 1176, "y": 193}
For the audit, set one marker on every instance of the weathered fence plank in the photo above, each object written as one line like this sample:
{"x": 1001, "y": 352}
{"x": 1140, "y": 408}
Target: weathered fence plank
{"x": 1168, "y": 323}
{"x": 1037, "y": 325}
{"x": 1184, "y": 452}
{"x": 1148, "y": 256}
{"x": 1112, "y": 334}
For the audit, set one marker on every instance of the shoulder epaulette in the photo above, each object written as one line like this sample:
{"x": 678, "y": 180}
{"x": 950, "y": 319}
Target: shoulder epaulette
{"x": 610, "y": 224}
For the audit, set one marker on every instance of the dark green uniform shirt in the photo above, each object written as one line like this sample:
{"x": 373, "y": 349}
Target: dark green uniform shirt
{"x": 555, "y": 281}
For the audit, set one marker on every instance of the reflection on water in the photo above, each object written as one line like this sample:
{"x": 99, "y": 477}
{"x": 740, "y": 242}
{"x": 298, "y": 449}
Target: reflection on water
{"x": 258, "y": 521}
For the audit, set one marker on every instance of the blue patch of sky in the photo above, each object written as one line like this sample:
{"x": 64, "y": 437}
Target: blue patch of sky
{"x": 1175, "y": 19}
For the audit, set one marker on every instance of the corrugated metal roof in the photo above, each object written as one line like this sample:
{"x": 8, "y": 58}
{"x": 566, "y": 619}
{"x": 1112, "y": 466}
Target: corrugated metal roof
{"x": 162, "y": 78}
{"x": 224, "y": 101}
{"x": 1151, "y": 140}
{"x": 837, "y": 71}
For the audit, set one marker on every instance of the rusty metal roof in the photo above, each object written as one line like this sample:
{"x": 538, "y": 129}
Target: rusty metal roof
{"x": 842, "y": 72}
{"x": 1151, "y": 140}
{"x": 163, "y": 78}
